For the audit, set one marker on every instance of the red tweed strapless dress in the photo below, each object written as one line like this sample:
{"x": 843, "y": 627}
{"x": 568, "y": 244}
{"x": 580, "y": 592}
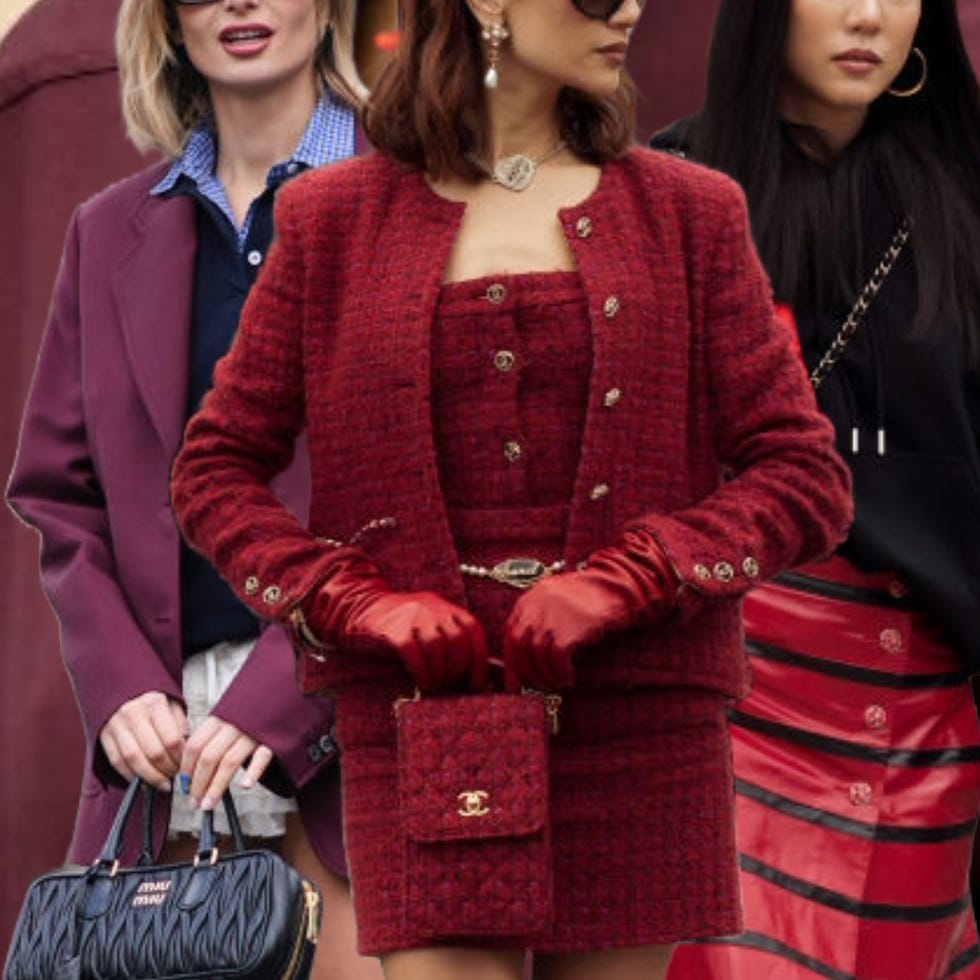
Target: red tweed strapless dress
{"x": 641, "y": 781}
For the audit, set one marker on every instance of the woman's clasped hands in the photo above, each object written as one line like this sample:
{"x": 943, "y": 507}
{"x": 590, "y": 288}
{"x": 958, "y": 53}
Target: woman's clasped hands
{"x": 443, "y": 646}
{"x": 148, "y": 736}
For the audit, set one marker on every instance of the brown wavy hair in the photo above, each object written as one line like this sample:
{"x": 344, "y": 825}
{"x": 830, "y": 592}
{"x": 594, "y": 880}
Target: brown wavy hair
{"x": 428, "y": 109}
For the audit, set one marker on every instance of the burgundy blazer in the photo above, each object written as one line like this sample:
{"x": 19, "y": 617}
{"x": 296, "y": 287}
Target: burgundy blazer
{"x": 104, "y": 418}
{"x": 701, "y": 424}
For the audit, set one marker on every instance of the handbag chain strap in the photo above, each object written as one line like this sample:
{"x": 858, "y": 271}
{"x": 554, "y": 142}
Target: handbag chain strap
{"x": 871, "y": 289}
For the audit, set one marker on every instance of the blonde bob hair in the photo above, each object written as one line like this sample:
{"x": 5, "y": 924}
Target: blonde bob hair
{"x": 164, "y": 96}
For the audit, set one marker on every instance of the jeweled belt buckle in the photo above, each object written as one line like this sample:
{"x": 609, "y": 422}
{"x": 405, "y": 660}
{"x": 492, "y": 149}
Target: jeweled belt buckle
{"x": 519, "y": 573}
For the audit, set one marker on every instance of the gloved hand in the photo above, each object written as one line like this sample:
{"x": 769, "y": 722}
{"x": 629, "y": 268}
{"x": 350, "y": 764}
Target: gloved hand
{"x": 440, "y": 643}
{"x": 561, "y": 614}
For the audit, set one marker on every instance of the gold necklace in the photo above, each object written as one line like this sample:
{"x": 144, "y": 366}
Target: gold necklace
{"x": 516, "y": 172}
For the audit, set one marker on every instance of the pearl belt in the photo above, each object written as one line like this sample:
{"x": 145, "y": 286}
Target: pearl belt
{"x": 518, "y": 573}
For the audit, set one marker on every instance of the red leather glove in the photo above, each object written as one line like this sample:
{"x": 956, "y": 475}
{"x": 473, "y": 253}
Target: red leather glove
{"x": 440, "y": 643}
{"x": 561, "y": 614}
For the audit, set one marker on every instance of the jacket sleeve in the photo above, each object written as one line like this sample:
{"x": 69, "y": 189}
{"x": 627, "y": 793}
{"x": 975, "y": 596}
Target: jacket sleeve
{"x": 55, "y": 489}
{"x": 245, "y": 433}
{"x": 786, "y": 496}
{"x": 264, "y": 701}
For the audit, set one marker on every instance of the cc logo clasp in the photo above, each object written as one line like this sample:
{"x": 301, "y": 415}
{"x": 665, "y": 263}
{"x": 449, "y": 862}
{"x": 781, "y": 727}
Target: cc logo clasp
{"x": 473, "y": 801}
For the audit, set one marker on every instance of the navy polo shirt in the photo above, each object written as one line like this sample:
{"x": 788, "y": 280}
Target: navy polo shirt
{"x": 227, "y": 262}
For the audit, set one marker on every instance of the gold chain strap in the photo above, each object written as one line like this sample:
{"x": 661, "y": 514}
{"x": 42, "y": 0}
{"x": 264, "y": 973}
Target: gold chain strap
{"x": 850, "y": 326}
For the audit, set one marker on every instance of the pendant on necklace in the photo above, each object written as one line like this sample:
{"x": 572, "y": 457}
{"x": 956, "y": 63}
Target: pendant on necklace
{"x": 515, "y": 173}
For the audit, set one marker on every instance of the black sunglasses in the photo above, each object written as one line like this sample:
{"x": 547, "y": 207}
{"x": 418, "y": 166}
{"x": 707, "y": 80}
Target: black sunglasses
{"x": 593, "y": 9}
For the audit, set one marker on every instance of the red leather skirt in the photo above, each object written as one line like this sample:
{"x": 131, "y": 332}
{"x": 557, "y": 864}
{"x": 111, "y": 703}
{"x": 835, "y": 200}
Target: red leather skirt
{"x": 857, "y": 773}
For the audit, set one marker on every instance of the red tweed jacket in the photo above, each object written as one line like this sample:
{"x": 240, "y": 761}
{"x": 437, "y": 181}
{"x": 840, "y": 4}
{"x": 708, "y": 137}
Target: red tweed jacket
{"x": 713, "y": 442}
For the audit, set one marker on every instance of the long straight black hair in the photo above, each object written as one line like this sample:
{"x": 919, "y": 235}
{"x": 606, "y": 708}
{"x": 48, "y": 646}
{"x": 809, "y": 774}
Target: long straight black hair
{"x": 807, "y": 218}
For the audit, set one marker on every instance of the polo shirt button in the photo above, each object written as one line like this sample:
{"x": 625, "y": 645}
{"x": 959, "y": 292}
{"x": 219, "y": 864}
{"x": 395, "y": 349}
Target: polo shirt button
{"x": 327, "y": 746}
{"x": 702, "y": 572}
{"x": 724, "y": 572}
{"x": 254, "y": 257}
{"x": 504, "y": 360}
{"x": 272, "y": 595}
{"x": 875, "y": 717}
{"x": 599, "y": 491}
{"x": 859, "y": 794}
{"x": 751, "y": 567}
{"x": 291, "y": 168}
{"x": 611, "y": 397}
{"x": 314, "y": 753}
{"x": 890, "y": 640}
{"x": 251, "y": 585}
{"x": 496, "y": 292}
{"x": 611, "y": 306}
{"x": 583, "y": 227}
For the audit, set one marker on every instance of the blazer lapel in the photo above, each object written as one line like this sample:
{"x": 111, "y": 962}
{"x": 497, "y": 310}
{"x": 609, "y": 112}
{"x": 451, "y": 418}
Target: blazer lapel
{"x": 154, "y": 288}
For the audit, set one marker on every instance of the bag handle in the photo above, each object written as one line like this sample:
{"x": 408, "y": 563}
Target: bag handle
{"x": 108, "y": 859}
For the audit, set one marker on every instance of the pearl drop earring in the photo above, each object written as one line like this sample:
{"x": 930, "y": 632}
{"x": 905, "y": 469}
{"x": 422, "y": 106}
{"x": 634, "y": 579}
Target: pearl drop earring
{"x": 494, "y": 35}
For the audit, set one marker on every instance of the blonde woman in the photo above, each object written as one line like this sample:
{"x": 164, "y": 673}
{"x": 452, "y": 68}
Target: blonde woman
{"x": 175, "y": 678}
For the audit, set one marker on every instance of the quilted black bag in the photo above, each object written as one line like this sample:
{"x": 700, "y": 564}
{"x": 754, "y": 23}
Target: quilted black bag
{"x": 236, "y": 916}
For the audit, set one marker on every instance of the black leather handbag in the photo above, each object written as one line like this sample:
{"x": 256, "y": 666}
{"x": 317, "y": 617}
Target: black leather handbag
{"x": 244, "y": 915}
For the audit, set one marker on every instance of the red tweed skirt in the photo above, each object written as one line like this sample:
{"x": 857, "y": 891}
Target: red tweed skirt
{"x": 641, "y": 803}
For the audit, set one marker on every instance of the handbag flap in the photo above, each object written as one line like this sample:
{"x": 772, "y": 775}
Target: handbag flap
{"x": 473, "y": 767}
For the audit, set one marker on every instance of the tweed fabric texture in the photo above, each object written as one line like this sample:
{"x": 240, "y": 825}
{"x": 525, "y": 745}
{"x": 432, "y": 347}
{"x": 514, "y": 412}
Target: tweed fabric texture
{"x": 473, "y": 796}
{"x": 511, "y": 358}
{"x": 715, "y": 446}
{"x": 642, "y": 828}
{"x": 639, "y": 781}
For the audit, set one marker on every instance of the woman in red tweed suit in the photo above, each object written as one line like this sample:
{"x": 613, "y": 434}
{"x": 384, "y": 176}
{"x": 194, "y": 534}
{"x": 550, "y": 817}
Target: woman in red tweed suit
{"x": 579, "y": 365}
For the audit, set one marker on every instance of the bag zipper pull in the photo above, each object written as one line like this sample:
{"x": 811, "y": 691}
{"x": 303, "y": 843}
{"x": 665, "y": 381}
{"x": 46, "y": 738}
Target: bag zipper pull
{"x": 312, "y": 913}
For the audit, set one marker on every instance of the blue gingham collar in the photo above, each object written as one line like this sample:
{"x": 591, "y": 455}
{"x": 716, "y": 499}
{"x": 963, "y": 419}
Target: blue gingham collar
{"x": 329, "y": 136}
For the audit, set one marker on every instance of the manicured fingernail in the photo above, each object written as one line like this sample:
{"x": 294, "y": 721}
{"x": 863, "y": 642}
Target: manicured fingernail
{"x": 207, "y": 803}
{"x": 185, "y": 783}
{"x": 246, "y": 782}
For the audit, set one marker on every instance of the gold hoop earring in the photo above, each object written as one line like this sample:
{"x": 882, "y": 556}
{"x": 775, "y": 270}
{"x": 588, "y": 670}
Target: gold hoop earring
{"x": 494, "y": 35}
{"x": 907, "y": 93}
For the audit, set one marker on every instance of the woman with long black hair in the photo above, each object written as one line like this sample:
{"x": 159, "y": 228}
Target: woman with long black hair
{"x": 854, "y": 129}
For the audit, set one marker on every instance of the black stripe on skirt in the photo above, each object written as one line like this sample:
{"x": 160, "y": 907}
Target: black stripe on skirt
{"x": 853, "y": 750}
{"x": 766, "y": 944}
{"x": 851, "y": 906}
{"x": 860, "y": 675}
{"x": 855, "y": 828}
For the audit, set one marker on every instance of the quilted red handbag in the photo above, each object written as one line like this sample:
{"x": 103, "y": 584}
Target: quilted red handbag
{"x": 473, "y": 789}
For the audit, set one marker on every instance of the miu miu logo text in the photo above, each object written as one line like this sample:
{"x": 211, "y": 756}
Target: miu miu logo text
{"x": 151, "y": 893}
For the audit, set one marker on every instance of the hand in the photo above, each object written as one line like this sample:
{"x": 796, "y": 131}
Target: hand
{"x": 563, "y": 614}
{"x": 440, "y": 643}
{"x": 145, "y": 737}
{"x": 212, "y": 756}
